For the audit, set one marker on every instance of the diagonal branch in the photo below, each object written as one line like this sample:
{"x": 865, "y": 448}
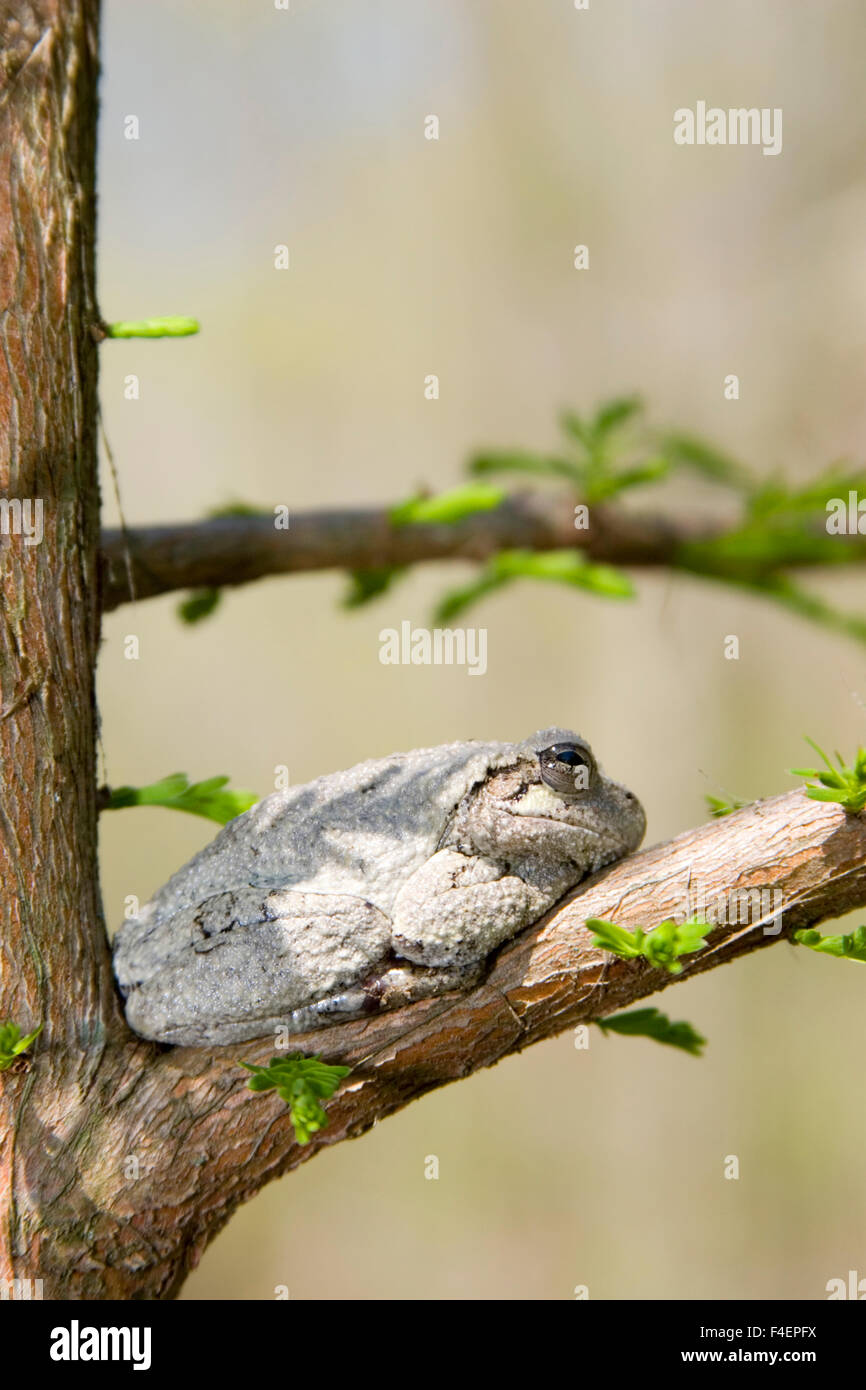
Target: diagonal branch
{"x": 211, "y": 1143}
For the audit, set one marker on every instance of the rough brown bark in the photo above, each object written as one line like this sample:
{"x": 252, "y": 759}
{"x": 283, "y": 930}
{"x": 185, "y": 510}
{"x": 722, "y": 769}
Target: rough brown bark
{"x": 53, "y": 964}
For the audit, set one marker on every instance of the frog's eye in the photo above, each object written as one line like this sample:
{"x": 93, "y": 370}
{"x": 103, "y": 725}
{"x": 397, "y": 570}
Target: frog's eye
{"x": 567, "y": 768}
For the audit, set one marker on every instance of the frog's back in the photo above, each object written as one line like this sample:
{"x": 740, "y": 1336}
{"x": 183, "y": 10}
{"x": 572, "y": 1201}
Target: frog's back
{"x": 359, "y": 832}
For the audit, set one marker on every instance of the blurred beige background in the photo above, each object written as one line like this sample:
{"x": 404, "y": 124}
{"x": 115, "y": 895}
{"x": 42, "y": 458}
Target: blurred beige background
{"x": 560, "y": 1167}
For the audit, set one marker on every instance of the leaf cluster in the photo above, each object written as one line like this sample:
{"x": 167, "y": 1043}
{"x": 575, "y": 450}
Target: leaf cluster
{"x": 844, "y": 784}
{"x": 303, "y": 1083}
{"x": 661, "y": 947}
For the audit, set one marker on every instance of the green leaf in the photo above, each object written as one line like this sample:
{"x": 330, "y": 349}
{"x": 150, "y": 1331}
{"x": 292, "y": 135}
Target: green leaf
{"x": 609, "y": 417}
{"x": 596, "y": 476}
{"x": 823, "y": 756}
{"x": 608, "y": 484}
{"x": 302, "y": 1082}
{"x": 227, "y": 510}
{"x": 198, "y": 604}
{"x": 851, "y": 946}
{"x": 369, "y": 584}
{"x": 652, "y": 1023}
{"x": 719, "y": 807}
{"x": 173, "y": 326}
{"x": 661, "y": 947}
{"x": 563, "y": 567}
{"x": 688, "y": 937}
{"x": 773, "y": 501}
{"x": 560, "y": 566}
{"x": 12, "y": 1044}
{"x": 206, "y": 798}
{"x": 520, "y": 461}
{"x": 600, "y": 477}
{"x": 259, "y": 1083}
{"x": 751, "y": 553}
{"x": 684, "y": 450}
{"x": 448, "y": 507}
{"x": 577, "y": 428}
{"x": 847, "y": 786}
{"x": 458, "y": 600}
{"x": 615, "y": 413}
{"x": 609, "y": 936}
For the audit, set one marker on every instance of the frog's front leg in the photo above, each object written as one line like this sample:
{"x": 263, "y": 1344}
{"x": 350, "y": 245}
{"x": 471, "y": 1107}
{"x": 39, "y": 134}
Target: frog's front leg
{"x": 457, "y": 908}
{"x": 392, "y": 987}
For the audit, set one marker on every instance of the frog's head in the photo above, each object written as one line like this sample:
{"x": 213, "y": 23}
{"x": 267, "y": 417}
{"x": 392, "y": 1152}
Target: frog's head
{"x": 550, "y": 801}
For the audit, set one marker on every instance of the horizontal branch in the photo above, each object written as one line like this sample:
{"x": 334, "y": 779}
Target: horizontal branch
{"x": 236, "y": 550}
{"x": 212, "y": 1143}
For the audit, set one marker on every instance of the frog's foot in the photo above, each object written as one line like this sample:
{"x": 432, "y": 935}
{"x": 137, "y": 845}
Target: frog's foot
{"x": 392, "y": 988}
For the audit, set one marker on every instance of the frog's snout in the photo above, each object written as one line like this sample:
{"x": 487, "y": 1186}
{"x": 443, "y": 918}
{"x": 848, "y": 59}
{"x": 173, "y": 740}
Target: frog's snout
{"x": 635, "y": 820}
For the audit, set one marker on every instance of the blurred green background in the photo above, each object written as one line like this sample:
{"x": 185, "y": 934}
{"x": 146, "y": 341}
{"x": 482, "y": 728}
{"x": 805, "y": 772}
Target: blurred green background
{"x": 560, "y": 1167}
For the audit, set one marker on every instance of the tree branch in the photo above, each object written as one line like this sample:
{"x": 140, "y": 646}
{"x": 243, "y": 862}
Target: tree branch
{"x": 235, "y": 550}
{"x": 207, "y": 1143}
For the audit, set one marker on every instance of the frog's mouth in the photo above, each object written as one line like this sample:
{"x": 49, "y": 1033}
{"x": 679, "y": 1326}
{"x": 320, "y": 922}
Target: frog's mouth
{"x": 623, "y": 828}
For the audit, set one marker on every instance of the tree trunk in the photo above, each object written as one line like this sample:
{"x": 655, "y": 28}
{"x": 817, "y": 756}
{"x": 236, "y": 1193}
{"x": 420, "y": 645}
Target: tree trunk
{"x": 53, "y": 967}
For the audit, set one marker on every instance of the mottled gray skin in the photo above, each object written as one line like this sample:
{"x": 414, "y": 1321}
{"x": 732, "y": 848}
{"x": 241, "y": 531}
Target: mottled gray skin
{"x": 364, "y": 890}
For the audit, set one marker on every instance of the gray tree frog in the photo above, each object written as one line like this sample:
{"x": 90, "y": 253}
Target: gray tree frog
{"x": 369, "y": 889}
